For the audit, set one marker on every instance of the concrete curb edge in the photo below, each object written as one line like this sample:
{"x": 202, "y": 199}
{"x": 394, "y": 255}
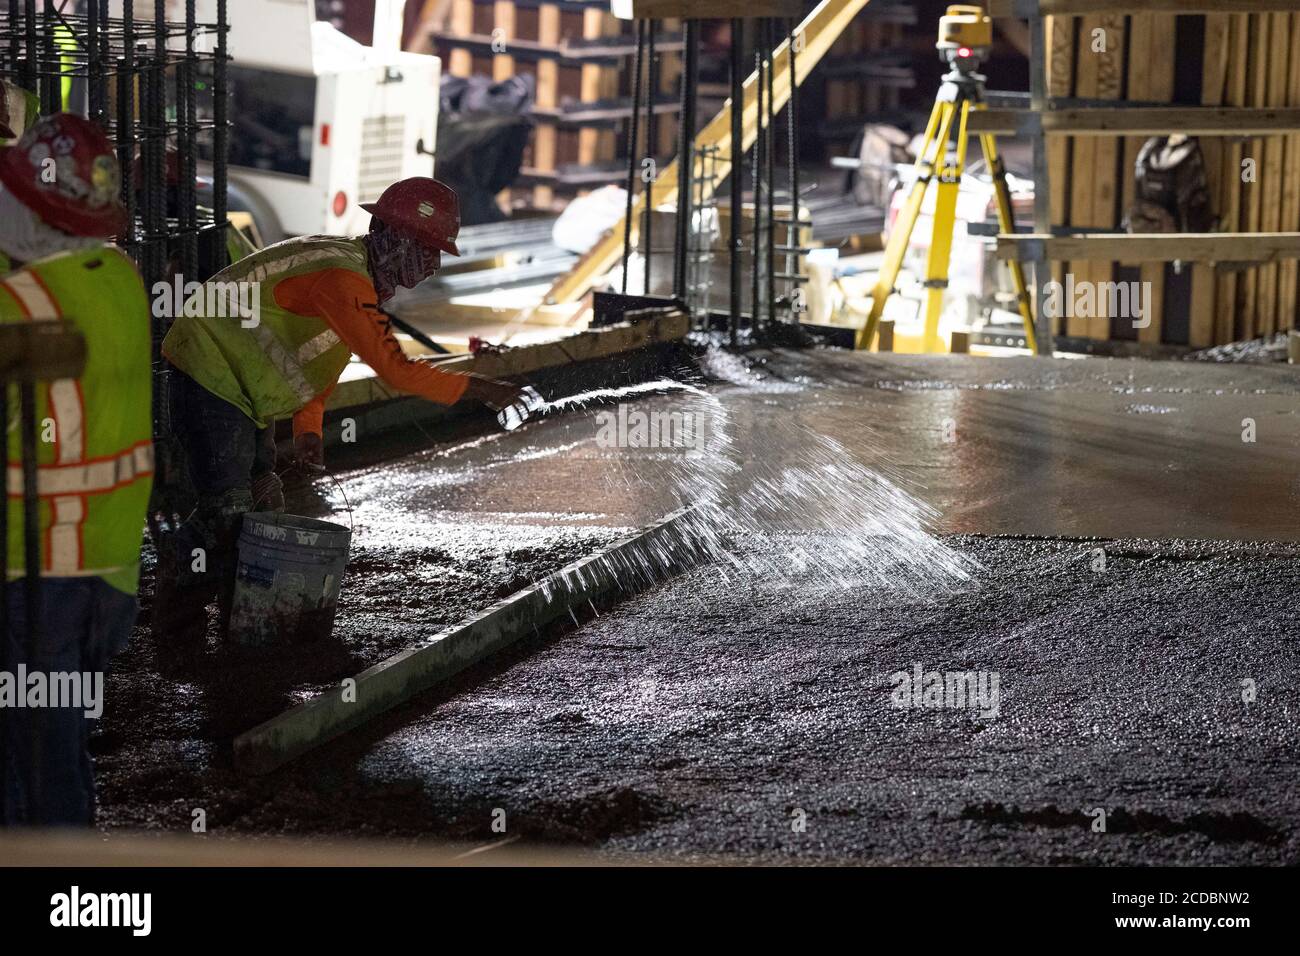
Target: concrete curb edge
{"x": 391, "y": 682}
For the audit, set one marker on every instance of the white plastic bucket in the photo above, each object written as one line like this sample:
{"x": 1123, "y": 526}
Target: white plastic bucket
{"x": 287, "y": 579}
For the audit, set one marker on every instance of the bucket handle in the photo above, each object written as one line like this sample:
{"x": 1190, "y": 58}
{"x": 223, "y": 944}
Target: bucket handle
{"x": 339, "y": 485}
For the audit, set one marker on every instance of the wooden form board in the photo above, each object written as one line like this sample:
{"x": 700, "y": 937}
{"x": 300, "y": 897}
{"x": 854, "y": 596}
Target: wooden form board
{"x": 1201, "y": 329}
{"x": 1228, "y": 324}
{"x": 1140, "y": 121}
{"x": 1277, "y": 37}
{"x": 701, "y": 9}
{"x": 1289, "y": 272}
{"x": 1061, "y": 33}
{"x": 1151, "y": 58}
{"x": 1084, "y": 167}
{"x": 1264, "y": 247}
{"x": 1248, "y": 60}
{"x": 1015, "y": 8}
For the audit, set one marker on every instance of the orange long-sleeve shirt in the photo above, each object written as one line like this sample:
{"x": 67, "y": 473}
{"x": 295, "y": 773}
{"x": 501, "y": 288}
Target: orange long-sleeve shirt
{"x": 347, "y": 301}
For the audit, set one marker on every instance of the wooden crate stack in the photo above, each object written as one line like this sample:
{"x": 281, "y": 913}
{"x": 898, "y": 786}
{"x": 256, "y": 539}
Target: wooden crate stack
{"x": 1246, "y": 60}
{"x": 581, "y": 59}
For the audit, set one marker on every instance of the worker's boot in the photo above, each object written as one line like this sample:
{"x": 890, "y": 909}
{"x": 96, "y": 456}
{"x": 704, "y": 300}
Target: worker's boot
{"x": 226, "y": 523}
{"x": 199, "y": 567}
{"x": 183, "y": 588}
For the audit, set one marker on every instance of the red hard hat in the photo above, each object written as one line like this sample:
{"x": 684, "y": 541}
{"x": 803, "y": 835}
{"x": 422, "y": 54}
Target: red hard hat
{"x": 422, "y": 208}
{"x": 78, "y": 191}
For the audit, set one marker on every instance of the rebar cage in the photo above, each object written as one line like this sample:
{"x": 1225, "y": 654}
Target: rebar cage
{"x": 158, "y": 89}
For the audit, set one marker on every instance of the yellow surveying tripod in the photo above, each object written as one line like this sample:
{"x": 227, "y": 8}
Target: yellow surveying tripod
{"x": 965, "y": 38}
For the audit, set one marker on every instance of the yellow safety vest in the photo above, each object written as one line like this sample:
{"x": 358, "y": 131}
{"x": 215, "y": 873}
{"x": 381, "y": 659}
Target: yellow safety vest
{"x": 93, "y": 434}
{"x": 273, "y": 364}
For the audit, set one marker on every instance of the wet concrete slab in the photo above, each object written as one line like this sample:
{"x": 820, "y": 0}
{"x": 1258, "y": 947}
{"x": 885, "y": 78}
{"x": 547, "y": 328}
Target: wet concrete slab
{"x": 697, "y": 719}
{"x": 1101, "y": 447}
{"x": 705, "y": 721}
{"x": 1104, "y": 447}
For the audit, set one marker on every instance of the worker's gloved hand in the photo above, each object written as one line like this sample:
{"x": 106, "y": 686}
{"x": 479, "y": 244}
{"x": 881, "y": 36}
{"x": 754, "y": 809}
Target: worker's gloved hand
{"x": 494, "y": 394}
{"x": 309, "y": 453}
{"x": 268, "y": 493}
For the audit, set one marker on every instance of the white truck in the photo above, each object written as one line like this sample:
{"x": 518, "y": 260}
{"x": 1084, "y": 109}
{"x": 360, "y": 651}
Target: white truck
{"x": 321, "y": 123}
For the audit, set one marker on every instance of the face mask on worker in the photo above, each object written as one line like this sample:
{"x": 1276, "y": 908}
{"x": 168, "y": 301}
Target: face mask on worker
{"x": 397, "y": 260}
{"x": 25, "y": 238}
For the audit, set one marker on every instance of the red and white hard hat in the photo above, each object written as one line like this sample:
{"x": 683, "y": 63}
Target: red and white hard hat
{"x": 423, "y": 209}
{"x": 63, "y": 169}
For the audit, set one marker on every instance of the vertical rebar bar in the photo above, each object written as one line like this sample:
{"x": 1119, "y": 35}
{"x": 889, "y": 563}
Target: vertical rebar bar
{"x": 15, "y": 18}
{"x": 770, "y": 171}
{"x": 760, "y": 162}
{"x": 1042, "y": 193}
{"x": 634, "y": 123}
{"x": 153, "y": 196}
{"x": 105, "y": 59}
{"x": 29, "y": 59}
{"x": 48, "y": 63}
{"x": 792, "y": 232}
{"x": 187, "y": 109}
{"x": 220, "y": 135}
{"x": 685, "y": 158}
{"x": 650, "y": 75}
{"x": 94, "y": 78}
{"x": 126, "y": 88}
{"x": 737, "y": 169}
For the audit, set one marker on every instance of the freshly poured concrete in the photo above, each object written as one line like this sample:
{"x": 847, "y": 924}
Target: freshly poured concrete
{"x": 748, "y": 719}
{"x": 999, "y": 446}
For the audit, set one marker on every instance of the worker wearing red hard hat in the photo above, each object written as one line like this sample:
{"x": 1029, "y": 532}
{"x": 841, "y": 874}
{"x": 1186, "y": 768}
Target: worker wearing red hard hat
{"x": 320, "y": 299}
{"x": 59, "y": 201}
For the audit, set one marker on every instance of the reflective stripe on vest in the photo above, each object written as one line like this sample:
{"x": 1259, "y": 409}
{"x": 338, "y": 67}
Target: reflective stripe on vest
{"x": 72, "y": 477}
{"x": 317, "y": 346}
{"x": 270, "y": 269}
{"x": 289, "y": 366}
{"x": 290, "y": 358}
{"x": 32, "y": 296}
{"x": 63, "y": 542}
{"x": 87, "y": 477}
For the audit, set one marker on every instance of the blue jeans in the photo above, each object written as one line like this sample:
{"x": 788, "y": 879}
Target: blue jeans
{"x": 83, "y": 622}
{"x": 223, "y": 451}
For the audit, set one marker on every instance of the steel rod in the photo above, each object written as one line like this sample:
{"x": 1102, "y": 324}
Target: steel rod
{"x": 770, "y": 171}
{"x": 15, "y": 45}
{"x": 651, "y": 73}
{"x": 634, "y": 123}
{"x": 760, "y": 163}
{"x": 1042, "y": 189}
{"x": 737, "y": 170}
{"x": 50, "y": 89}
{"x": 187, "y": 149}
{"x": 220, "y": 132}
{"x": 126, "y": 130}
{"x": 28, "y": 72}
{"x": 685, "y": 158}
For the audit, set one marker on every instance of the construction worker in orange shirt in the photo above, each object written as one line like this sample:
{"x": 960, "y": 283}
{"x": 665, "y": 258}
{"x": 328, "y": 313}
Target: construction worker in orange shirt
{"x": 269, "y": 338}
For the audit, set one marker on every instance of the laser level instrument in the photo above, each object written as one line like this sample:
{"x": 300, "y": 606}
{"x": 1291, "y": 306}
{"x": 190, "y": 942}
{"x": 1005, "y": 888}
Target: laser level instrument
{"x": 965, "y": 40}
